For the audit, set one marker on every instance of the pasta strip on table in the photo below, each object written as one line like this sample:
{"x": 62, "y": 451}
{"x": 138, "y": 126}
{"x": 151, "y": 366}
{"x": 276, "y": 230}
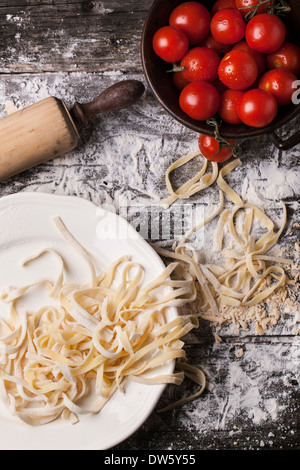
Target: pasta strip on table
{"x": 249, "y": 275}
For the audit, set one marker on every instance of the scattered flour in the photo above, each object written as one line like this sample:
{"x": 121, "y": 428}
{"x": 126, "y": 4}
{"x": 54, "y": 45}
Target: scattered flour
{"x": 243, "y": 387}
{"x": 123, "y": 162}
{"x": 269, "y": 182}
{"x": 14, "y": 19}
{"x": 99, "y": 8}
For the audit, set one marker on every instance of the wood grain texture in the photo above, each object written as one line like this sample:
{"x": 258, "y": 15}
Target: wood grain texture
{"x": 34, "y": 134}
{"x": 71, "y": 36}
{"x": 74, "y": 50}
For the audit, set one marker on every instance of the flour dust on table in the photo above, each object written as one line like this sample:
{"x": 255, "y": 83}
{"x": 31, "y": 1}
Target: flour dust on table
{"x": 121, "y": 164}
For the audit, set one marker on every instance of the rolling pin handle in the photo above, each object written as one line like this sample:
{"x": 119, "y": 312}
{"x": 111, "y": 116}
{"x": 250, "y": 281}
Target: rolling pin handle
{"x": 118, "y": 96}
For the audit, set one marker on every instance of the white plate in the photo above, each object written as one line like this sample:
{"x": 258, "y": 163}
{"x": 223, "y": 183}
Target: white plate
{"x": 26, "y": 227}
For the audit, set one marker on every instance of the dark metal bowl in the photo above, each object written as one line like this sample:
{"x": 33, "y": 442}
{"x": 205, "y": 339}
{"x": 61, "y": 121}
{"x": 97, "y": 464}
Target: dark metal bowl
{"x": 163, "y": 89}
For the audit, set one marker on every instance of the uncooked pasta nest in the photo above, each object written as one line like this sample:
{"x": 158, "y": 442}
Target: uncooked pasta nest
{"x": 101, "y": 334}
{"x": 249, "y": 274}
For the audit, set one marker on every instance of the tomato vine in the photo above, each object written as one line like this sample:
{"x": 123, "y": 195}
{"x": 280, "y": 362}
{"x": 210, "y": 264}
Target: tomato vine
{"x": 281, "y": 7}
{"x": 236, "y": 149}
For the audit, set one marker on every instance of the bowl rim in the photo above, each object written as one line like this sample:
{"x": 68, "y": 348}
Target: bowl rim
{"x": 252, "y": 132}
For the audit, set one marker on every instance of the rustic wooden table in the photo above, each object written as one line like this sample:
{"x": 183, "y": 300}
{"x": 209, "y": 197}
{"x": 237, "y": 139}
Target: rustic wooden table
{"x": 73, "y": 49}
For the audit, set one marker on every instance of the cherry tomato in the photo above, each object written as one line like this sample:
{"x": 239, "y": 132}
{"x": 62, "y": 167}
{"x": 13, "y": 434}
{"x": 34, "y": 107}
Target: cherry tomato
{"x": 201, "y": 63}
{"x": 228, "y": 106}
{"x": 257, "y": 108}
{"x": 227, "y": 26}
{"x": 279, "y": 83}
{"x": 222, "y": 5}
{"x": 246, "y": 6}
{"x": 193, "y": 19}
{"x": 286, "y": 57}
{"x": 179, "y": 80}
{"x": 170, "y": 44}
{"x": 210, "y": 149}
{"x": 216, "y": 46}
{"x": 238, "y": 70}
{"x": 260, "y": 59}
{"x": 200, "y": 100}
{"x": 265, "y": 33}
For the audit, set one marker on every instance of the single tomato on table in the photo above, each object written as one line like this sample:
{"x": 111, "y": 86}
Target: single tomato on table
{"x": 200, "y": 63}
{"x": 193, "y": 19}
{"x": 228, "y": 106}
{"x": 257, "y": 108}
{"x": 265, "y": 33}
{"x": 255, "y": 6}
{"x": 212, "y": 151}
{"x": 200, "y": 100}
{"x": 287, "y": 57}
{"x": 227, "y": 26}
{"x": 260, "y": 59}
{"x": 280, "y": 83}
{"x": 238, "y": 70}
{"x": 170, "y": 44}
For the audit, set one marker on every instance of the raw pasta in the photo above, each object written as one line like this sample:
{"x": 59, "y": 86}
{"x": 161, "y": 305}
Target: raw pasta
{"x": 199, "y": 182}
{"x": 248, "y": 275}
{"x": 101, "y": 334}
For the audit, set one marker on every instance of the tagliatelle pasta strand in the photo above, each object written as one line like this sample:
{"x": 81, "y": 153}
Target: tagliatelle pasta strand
{"x": 249, "y": 275}
{"x": 199, "y": 182}
{"x": 109, "y": 331}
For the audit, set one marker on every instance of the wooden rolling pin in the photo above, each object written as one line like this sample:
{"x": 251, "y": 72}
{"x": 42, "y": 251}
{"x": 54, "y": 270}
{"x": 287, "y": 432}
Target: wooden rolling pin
{"x": 47, "y": 129}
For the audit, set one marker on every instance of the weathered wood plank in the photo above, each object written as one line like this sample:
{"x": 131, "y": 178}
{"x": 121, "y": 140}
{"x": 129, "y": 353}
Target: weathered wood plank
{"x": 47, "y": 36}
{"x": 162, "y": 439}
{"x": 254, "y": 403}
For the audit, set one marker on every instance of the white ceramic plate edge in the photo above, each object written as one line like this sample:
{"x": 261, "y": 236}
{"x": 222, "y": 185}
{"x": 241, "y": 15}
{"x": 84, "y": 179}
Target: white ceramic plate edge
{"x": 62, "y": 199}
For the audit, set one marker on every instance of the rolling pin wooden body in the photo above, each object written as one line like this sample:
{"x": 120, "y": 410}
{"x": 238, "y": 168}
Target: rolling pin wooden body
{"x": 47, "y": 129}
{"x": 42, "y": 131}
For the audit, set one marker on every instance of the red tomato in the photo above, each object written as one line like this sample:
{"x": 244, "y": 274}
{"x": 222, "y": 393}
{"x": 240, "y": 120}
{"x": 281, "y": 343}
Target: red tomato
{"x": 279, "y": 83}
{"x": 222, "y": 5}
{"x": 265, "y": 33}
{"x": 170, "y": 44}
{"x": 210, "y": 149}
{"x": 238, "y": 70}
{"x": 246, "y": 6}
{"x": 201, "y": 63}
{"x": 216, "y": 46}
{"x": 179, "y": 80}
{"x": 227, "y": 26}
{"x": 257, "y": 108}
{"x": 260, "y": 59}
{"x": 200, "y": 100}
{"x": 193, "y": 19}
{"x": 228, "y": 106}
{"x": 286, "y": 57}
